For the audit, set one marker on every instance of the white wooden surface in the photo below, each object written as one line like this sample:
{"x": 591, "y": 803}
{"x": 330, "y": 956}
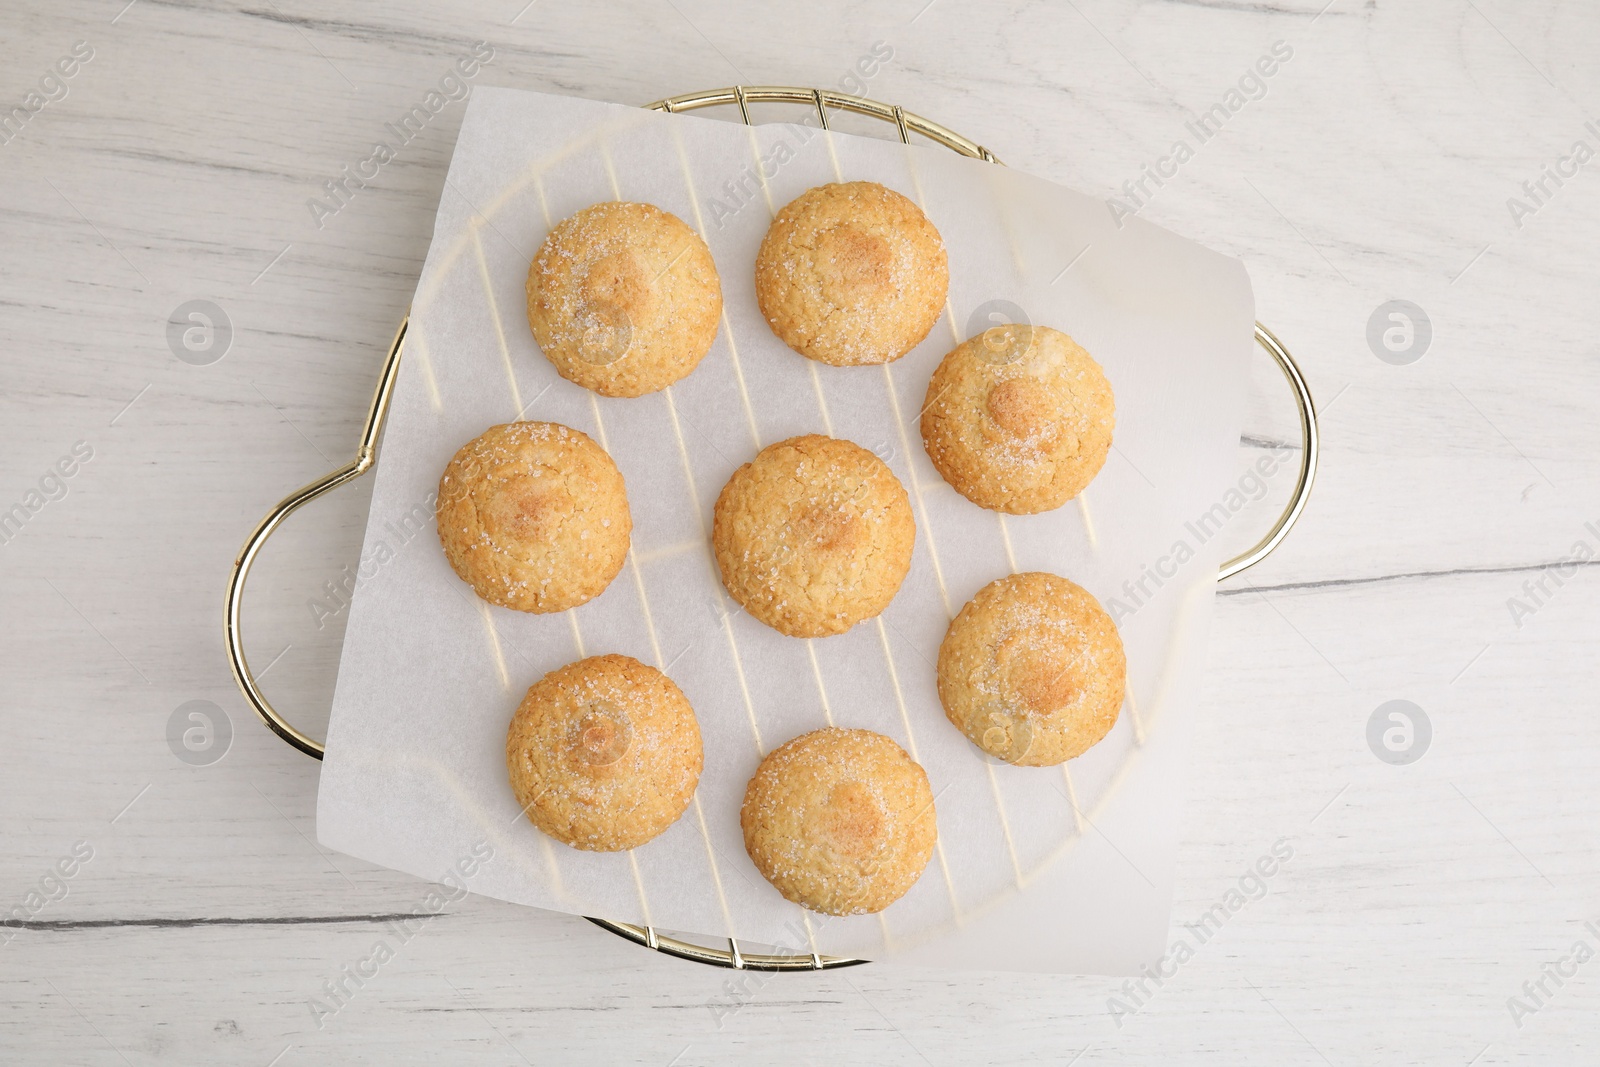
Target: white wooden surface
{"x": 1377, "y": 166}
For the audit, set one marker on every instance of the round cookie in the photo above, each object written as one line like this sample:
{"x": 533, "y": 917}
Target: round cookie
{"x": 624, "y": 299}
{"x": 604, "y": 753}
{"x": 1032, "y": 670}
{"x": 534, "y": 516}
{"x": 851, "y": 274}
{"x": 839, "y": 821}
{"x": 813, "y": 535}
{"x": 1018, "y": 419}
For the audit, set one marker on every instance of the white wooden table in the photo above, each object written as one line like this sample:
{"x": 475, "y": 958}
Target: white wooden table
{"x": 1376, "y": 163}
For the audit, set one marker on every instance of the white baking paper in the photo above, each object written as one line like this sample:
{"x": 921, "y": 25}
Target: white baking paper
{"x": 1037, "y": 868}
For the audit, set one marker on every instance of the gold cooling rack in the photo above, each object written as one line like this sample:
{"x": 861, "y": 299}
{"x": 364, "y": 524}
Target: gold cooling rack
{"x": 821, "y": 101}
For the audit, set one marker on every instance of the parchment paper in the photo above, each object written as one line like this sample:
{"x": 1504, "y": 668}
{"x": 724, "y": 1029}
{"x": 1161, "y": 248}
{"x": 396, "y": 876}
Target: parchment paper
{"x": 1038, "y": 868}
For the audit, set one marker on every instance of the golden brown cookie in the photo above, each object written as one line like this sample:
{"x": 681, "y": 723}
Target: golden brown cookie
{"x": 623, "y": 298}
{"x": 851, "y": 274}
{"x": 604, "y": 753}
{"x": 533, "y": 516}
{"x": 839, "y": 821}
{"x": 1018, "y": 419}
{"x": 813, "y": 535}
{"x": 1032, "y": 670}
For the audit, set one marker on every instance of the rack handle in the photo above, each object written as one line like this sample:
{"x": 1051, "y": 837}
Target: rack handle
{"x": 366, "y": 453}
{"x": 1310, "y": 449}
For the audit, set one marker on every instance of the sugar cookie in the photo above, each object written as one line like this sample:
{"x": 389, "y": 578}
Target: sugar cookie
{"x": 839, "y": 821}
{"x": 1032, "y": 670}
{"x": 813, "y": 535}
{"x": 1018, "y": 419}
{"x": 604, "y": 753}
{"x": 624, "y": 299}
{"x": 534, "y": 516}
{"x": 851, "y": 274}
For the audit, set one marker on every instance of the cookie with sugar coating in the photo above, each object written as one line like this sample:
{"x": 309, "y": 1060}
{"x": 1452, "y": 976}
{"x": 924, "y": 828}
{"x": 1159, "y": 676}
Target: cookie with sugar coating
{"x": 624, "y": 299}
{"x": 852, "y": 273}
{"x": 604, "y": 754}
{"x": 1018, "y": 419}
{"x": 534, "y": 516}
{"x": 813, "y": 535}
{"x": 840, "y": 821}
{"x": 1032, "y": 670}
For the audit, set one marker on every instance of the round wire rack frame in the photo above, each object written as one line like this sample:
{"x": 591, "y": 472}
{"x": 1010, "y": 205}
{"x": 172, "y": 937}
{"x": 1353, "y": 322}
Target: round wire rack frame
{"x": 821, "y": 102}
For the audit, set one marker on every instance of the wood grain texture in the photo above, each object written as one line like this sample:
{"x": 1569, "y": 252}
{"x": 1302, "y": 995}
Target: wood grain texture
{"x": 1376, "y": 166}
